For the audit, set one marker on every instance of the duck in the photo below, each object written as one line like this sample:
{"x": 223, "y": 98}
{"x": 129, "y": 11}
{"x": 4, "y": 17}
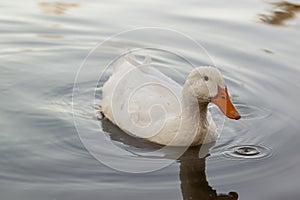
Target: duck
{"x": 146, "y": 103}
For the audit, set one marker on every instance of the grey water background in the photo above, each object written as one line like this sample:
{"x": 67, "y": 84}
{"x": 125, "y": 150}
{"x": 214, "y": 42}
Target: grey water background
{"x": 254, "y": 43}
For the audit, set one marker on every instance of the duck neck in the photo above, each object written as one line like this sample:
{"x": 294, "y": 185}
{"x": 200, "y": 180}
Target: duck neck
{"x": 203, "y": 114}
{"x": 193, "y": 110}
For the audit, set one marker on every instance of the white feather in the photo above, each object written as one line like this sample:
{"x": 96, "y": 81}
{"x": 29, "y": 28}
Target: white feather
{"x": 146, "y": 103}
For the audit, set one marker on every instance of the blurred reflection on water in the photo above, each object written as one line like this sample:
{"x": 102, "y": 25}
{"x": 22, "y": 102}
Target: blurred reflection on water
{"x": 58, "y": 7}
{"x": 280, "y": 13}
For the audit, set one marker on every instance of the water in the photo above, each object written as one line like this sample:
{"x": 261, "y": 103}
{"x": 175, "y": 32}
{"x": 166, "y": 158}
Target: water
{"x": 43, "y": 43}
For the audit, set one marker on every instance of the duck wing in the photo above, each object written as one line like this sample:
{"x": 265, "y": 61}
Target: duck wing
{"x": 139, "y": 98}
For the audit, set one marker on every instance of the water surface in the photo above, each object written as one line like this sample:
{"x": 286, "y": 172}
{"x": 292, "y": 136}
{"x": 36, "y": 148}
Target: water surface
{"x": 43, "y": 43}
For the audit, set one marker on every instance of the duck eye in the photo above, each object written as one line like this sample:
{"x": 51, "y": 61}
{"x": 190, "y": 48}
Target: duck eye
{"x": 206, "y": 78}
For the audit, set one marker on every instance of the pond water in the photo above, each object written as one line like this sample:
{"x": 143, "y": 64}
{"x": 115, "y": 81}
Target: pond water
{"x": 45, "y": 156}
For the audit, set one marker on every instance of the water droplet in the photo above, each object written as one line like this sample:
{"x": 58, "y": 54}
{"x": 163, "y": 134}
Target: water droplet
{"x": 247, "y": 151}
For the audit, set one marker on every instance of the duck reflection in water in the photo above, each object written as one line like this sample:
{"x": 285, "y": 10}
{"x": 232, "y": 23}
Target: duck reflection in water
{"x": 194, "y": 184}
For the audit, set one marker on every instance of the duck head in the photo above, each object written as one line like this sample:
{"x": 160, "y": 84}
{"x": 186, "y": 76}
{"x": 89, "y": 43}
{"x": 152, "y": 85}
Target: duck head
{"x": 208, "y": 85}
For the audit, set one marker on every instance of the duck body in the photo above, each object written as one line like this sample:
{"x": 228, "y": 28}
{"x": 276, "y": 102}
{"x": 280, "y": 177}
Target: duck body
{"x": 146, "y": 103}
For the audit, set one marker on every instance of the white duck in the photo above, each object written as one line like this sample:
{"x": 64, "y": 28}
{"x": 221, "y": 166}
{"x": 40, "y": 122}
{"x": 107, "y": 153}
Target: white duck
{"x": 145, "y": 103}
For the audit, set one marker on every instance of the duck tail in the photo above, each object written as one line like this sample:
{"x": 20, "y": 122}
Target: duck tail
{"x": 134, "y": 61}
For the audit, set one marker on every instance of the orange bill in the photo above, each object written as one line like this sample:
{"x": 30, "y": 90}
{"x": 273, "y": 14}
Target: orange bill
{"x": 222, "y": 100}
